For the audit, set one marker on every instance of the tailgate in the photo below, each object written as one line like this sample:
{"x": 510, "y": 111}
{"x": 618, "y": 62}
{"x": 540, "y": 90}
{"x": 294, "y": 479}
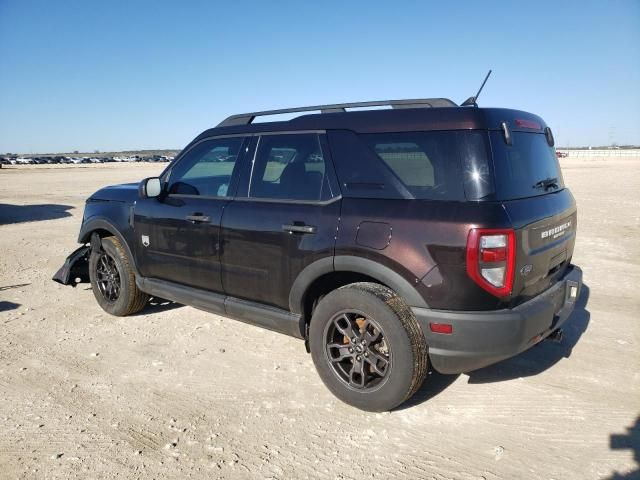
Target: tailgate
{"x": 545, "y": 236}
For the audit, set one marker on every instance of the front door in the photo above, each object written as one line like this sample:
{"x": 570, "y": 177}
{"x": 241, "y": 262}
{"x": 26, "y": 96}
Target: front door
{"x": 177, "y": 234}
{"x": 284, "y": 217}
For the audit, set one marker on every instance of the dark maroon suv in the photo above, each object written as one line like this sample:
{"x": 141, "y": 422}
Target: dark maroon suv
{"x": 386, "y": 238}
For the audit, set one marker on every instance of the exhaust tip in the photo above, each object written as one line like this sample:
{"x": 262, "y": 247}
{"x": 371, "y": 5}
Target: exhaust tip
{"x": 556, "y": 336}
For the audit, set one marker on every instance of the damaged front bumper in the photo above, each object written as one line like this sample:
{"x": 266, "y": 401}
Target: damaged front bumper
{"x": 75, "y": 269}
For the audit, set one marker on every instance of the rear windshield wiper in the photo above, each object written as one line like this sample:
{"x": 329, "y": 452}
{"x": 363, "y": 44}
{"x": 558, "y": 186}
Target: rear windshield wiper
{"x": 547, "y": 183}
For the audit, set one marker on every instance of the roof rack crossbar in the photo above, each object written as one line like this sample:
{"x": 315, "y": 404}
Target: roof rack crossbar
{"x": 247, "y": 118}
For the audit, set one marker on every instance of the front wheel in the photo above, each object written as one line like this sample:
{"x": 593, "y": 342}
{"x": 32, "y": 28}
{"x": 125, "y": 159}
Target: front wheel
{"x": 368, "y": 347}
{"x": 113, "y": 280}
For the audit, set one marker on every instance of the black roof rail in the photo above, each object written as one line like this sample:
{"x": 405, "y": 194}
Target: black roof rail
{"x": 247, "y": 118}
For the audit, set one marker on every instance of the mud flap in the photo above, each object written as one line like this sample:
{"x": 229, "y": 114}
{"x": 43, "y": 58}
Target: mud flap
{"x": 76, "y": 266}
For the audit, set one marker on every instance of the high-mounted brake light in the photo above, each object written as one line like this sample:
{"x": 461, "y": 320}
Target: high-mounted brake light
{"x": 528, "y": 124}
{"x": 491, "y": 256}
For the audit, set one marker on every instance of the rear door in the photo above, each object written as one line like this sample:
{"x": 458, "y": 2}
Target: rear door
{"x": 284, "y": 217}
{"x": 529, "y": 183}
{"x": 178, "y": 234}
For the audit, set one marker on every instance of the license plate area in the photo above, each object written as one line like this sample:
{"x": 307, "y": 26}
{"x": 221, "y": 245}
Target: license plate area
{"x": 572, "y": 290}
{"x": 566, "y": 297}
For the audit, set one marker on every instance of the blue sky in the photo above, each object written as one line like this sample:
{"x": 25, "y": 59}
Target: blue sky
{"x": 85, "y": 75}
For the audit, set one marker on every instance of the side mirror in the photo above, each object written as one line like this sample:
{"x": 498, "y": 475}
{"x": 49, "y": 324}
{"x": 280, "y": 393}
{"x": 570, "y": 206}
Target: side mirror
{"x": 150, "y": 187}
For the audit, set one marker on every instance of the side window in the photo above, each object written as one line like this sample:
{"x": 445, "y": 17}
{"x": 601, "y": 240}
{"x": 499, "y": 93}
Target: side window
{"x": 206, "y": 169}
{"x": 290, "y": 167}
{"x": 443, "y": 165}
{"x": 408, "y": 161}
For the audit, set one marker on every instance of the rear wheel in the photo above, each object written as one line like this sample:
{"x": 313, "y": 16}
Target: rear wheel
{"x": 368, "y": 347}
{"x": 113, "y": 280}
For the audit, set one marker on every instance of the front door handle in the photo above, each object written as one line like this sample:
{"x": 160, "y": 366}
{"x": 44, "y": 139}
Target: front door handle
{"x": 299, "y": 228}
{"x": 198, "y": 218}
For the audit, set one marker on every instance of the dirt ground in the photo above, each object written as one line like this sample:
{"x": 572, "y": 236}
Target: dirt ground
{"x": 176, "y": 392}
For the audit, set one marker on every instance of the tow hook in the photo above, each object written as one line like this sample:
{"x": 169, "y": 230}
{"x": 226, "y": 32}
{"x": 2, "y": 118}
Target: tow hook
{"x": 556, "y": 336}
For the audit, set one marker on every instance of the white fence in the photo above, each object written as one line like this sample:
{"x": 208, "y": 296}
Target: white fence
{"x": 609, "y": 152}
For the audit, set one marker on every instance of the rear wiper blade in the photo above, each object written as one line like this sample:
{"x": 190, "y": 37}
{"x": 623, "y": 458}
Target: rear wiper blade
{"x": 547, "y": 183}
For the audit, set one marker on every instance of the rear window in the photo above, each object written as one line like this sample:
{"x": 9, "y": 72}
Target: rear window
{"x": 526, "y": 168}
{"x": 445, "y": 165}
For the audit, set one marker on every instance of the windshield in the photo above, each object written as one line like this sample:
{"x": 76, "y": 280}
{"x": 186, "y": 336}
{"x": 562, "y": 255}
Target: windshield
{"x": 526, "y": 168}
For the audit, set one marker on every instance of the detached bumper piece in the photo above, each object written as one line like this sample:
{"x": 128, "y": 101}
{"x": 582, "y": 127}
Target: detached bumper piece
{"x": 478, "y": 339}
{"x": 75, "y": 269}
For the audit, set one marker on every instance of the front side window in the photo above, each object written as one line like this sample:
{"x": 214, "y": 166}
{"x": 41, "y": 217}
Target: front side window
{"x": 206, "y": 169}
{"x": 289, "y": 167}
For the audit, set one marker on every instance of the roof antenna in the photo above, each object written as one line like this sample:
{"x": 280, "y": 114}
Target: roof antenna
{"x": 471, "y": 101}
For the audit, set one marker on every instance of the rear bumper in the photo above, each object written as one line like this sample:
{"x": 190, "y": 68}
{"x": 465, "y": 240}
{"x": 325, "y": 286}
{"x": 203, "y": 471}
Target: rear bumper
{"x": 483, "y": 338}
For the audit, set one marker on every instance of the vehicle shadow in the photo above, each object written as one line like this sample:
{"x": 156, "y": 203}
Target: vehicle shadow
{"x": 157, "y": 305}
{"x": 32, "y": 213}
{"x": 433, "y": 385}
{"x": 8, "y": 287}
{"x": 542, "y": 356}
{"x": 154, "y": 305}
{"x": 5, "y": 306}
{"x": 628, "y": 441}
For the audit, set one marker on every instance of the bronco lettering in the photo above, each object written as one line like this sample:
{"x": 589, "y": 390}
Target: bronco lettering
{"x": 556, "y": 231}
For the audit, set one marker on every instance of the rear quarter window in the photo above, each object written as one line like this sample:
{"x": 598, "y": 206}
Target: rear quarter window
{"x": 408, "y": 161}
{"x": 440, "y": 165}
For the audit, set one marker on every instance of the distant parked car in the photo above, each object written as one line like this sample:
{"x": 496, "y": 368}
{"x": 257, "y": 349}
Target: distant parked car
{"x": 562, "y": 154}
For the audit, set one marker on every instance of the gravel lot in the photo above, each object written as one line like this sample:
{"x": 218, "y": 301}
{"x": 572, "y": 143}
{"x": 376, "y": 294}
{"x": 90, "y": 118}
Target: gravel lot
{"x": 176, "y": 392}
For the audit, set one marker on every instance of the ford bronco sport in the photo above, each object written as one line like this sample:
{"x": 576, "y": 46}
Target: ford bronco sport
{"x": 385, "y": 238}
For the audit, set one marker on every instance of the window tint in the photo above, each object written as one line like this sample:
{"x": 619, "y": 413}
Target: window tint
{"x": 206, "y": 169}
{"x": 408, "y": 161}
{"x": 289, "y": 167}
{"x": 526, "y": 168}
{"x": 436, "y": 165}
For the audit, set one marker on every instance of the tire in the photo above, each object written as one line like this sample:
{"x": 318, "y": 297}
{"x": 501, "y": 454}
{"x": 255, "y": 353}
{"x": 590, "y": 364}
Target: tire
{"x": 391, "y": 334}
{"x": 127, "y": 298}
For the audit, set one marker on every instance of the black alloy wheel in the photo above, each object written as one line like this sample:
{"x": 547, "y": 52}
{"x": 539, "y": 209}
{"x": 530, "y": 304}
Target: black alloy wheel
{"x": 113, "y": 278}
{"x": 357, "y": 351}
{"x": 107, "y": 277}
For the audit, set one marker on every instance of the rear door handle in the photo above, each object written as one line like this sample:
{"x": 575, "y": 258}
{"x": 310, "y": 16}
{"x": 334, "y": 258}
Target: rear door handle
{"x": 299, "y": 228}
{"x": 197, "y": 218}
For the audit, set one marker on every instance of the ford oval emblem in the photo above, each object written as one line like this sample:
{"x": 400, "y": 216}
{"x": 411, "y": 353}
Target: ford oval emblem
{"x": 526, "y": 270}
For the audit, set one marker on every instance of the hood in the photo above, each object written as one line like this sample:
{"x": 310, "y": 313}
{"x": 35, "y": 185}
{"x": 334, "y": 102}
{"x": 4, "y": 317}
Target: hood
{"x": 126, "y": 192}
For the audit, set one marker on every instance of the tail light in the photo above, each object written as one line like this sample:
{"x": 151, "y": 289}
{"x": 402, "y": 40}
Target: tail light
{"x": 491, "y": 257}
